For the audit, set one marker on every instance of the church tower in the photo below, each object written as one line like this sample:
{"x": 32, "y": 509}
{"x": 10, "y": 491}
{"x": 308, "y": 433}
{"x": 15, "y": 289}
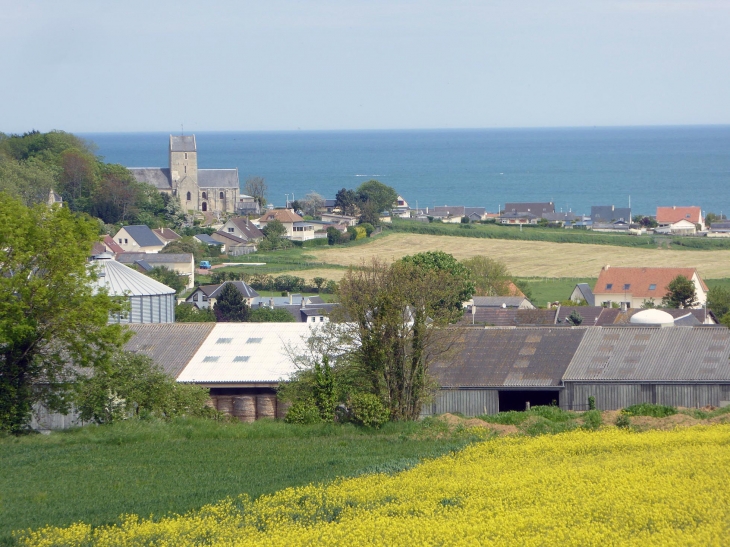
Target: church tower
{"x": 184, "y": 170}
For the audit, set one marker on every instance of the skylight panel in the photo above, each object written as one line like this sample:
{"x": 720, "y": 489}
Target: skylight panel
{"x": 211, "y": 358}
{"x": 627, "y": 286}
{"x": 241, "y": 358}
{"x": 254, "y": 340}
{"x": 224, "y": 340}
{"x": 652, "y": 287}
{"x": 609, "y": 286}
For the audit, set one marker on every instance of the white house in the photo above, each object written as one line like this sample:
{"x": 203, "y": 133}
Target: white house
{"x": 139, "y": 238}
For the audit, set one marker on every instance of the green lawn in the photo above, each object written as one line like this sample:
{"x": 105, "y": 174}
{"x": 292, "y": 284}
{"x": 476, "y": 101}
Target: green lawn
{"x": 96, "y": 474}
{"x": 550, "y": 289}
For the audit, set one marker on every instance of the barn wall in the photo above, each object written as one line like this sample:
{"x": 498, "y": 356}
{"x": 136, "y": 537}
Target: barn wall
{"x": 469, "y": 402}
{"x": 616, "y": 396}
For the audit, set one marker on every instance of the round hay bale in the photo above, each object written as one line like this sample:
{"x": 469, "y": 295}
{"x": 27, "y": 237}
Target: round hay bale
{"x": 244, "y": 408}
{"x": 266, "y": 406}
{"x": 282, "y": 407}
{"x": 210, "y": 403}
{"x": 225, "y": 405}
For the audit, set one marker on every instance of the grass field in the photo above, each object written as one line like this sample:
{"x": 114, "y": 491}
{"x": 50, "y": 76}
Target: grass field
{"x": 581, "y": 488}
{"x": 96, "y": 474}
{"x": 531, "y": 258}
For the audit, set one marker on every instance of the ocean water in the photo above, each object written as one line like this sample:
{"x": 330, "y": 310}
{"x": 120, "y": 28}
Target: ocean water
{"x": 574, "y": 167}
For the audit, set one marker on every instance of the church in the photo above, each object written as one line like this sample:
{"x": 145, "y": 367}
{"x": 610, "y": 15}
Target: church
{"x": 197, "y": 189}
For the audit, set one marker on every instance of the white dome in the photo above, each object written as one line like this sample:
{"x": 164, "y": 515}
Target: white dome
{"x": 651, "y": 317}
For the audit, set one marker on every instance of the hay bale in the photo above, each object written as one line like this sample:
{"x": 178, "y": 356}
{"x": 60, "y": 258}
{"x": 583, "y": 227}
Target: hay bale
{"x": 244, "y": 408}
{"x": 225, "y": 405}
{"x": 282, "y": 407}
{"x": 266, "y": 406}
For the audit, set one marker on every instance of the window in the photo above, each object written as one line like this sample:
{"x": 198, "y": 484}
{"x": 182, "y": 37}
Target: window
{"x": 652, "y": 287}
{"x": 186, "y": 155}
{"x": 120, "y": 240}
{"x": 185, "y": 168}
{"x": 254, "y": 340}
{"x": 627, "y": 286}
{"x": 189, "y": 197}
{"x": 205, "y": 298}
{"x": 321, "y": 319}
{"x": 222, "y": 196}
{"x": 224, "y": 340}
{"x": 125, "y": 240}
{"x": 211, "y": 358}
{"x": 609, "y": 286}
{"x": 205, "y": 195}
{"x": 241, "y": 358}
{"x": 231, "y": 230}
{"x": 196, "y": 297}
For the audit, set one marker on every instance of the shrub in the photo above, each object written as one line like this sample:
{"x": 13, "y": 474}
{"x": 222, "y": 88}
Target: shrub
{"x": 649, "y": 409}
{"x": 591, "y": 403}
{"x": 623, "y": 421}
{"x": 592, "y": 419}
{"x": 303, "y": 412}
{"x": 368, "y": 410}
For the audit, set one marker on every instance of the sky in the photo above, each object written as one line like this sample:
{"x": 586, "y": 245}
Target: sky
{"x": 152, "y": 65}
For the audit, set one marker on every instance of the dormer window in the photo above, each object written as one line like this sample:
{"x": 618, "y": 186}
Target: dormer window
{"x": 627, "y": 286}
{"x": 609, "y": 286}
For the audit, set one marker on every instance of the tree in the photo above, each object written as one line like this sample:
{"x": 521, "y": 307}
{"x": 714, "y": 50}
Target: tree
{"x": 681, "y": 293}
{"x": 334, "y": 235}
{"x": 168, "y": 277}
{"x": 648, "y": 304}
{"x": 319, "y": 282}
{"x": 117, "y": 196}
{"x": 230, "y": 306}
{"x": 187, "y": 244}
{"x": 256, "y": 188}
{"x": 78, "y": 178}
{"x": 189, "y": 313}
{"x": 381, "y": 196}
{"x": 274, "y": 236}
{"x": 134, "y": 386}
{"x": 439, "y": 261}
{"x": 718, "y": 300}
{"x": 574, "y": 318}
{"x": 713, "y": 217}
{"x": 51, "y": 317}
{"x": 268, "y": 315}
{"x": 313, "y": 202}
{"x": 491, "y": 277}
{"x": 347, "y": 201}
{"x": 30, "y": 180}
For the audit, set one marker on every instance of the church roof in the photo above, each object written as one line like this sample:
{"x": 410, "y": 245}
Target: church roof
{"x": 218, "y": 178}
{"x": 159, "y": 177}
{"x": 182, "y": 143}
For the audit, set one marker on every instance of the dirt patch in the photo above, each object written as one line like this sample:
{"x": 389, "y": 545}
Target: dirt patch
{"x": 454, "y": 421}
{"x": 668, "y": 423}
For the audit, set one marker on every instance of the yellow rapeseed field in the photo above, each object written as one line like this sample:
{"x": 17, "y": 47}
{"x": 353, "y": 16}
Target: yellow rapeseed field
{"x": 610, "y": 487}
{"x": 531, "y": 258}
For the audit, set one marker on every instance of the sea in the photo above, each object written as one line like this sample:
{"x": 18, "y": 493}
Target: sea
{"x": 575, "y": 168}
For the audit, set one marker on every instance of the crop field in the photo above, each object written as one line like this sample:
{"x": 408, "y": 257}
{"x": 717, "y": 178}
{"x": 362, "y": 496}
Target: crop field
{"x": 578, "y": 488}
{"x": 95, "y": 474}
{"x": 531, "y": 258}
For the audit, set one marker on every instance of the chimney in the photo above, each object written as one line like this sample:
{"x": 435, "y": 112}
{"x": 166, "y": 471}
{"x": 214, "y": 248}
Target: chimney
{"x": 606, "y": 267}
{"x": 624, "y": 307}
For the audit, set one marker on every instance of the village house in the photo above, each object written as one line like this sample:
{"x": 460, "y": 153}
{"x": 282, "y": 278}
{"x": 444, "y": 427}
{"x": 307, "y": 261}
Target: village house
{"x": 243, "y": 228}
{"x": 331, "y": 218}
{"x": 139, "y": 238}
{"x": 679, "y": 220}
{"x": 183, "y": 264}
{"x": 196, "y": 189}
{"x": 233, "y": 245}
{"x": 631, "y": 287}
{"x": 166, "y": 235}
{"x": 300, "y": 232}
{"x": 247, "y": 205}
{"x": 525, "y": 213}
{"x": 609, "y": 214}
{"x": 205, "y": 296}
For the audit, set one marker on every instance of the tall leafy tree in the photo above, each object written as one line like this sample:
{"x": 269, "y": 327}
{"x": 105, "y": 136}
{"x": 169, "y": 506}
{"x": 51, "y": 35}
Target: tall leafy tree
{"x": 168, "y": 277}
{"x": 50, "y": 315}
{"x": 718, "y": 300}
{"x": 346, "y": 200}
{"x": 256, "y": 188}
{"x": 681, "y": 293}
{"x": 491, "y": 277}
{"x": 230, "y": 305}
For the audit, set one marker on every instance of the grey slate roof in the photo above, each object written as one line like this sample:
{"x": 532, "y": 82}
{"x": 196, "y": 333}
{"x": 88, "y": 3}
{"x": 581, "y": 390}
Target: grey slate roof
{"x": 247, "y": 227}
{"x": 509, "y": 317}
{"x": 481, "y": 211}
{"x": 182, "y": 143}
{"x": 535, "y": 208}
{"x": 589, "y": 314}
{"x": 609, "y": 213}
{"x": 170, "y": 345}
{"x": 587, "y": 293}
{"x": 560, "y": 217}
{"x": 159, "y": 177}
{"x": 144, "y": 265}
{"x": 154, "y": 258}
{"x": 230, "y": 237}
{"x": 674, "y": 354}
{"x": 212, "y": 291}
{"x": 509, "y": 357}
{"x": 218, "y": 178}
{"x": 448, "y": 210}
{"x": 497, "y": 301}
{"x": 205, "y": 238}
{"x": 143, "y": 235}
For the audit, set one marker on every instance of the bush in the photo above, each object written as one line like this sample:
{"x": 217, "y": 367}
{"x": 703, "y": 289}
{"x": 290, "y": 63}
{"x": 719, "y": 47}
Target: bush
{"x": 649, "y": 409}
{"x": 303, "y": 412}
{"x": 591, "y": 403}
{"x": 368, "y": 410}
{"x": 623, "y": 421}
{"x": 592, "y": 420}
{"x": 289, "y": 283}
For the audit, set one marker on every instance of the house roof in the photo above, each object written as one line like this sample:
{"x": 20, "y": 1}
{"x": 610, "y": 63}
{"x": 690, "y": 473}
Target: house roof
{"x": 170, "y": 345}
{"x": 182, "y": 143}
{"x": 143, "y": 235}
{"x": 212, "y": 291}
{"x": 246, "y": 353}
{"x": 637, "y": 281}
{"x": 159, "y": 177}
{"x": 247, "y": 227}
{"x": 166, "y": 234}
{"x": 590, "y": 314}
{"x": 518, "y": 214}
{"x": 558, "y": 217}
{"x": 723, "y": 225}
{"x": 609, "y": 213}
{"x": 670, "y": 215}
{"x": 234, "y": 239}
{"x": 448, "y": 211}
{"x": 536, "y": 208}
{"x": 497, "y": 301}
{"x": 481, "y": 211}
{"x": 119, "y": 280}
{"x": 218, "y": 178}
{"x": 155, "y": 258}
{"x": 587, "y": 293}
{"x": 205, "y": 238}
{"x": 672, "y": 354}
{"x": 509, "y": 317}
{"x": 615, "y": 317}
{"x": 282, "y": 215}
{"x": 112, "y": 245}
{"x": 283, "y": 301}
{"x": 509, "y": 357}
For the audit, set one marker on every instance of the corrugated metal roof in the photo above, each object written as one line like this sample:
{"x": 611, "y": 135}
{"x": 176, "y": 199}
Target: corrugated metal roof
{"x": 263, "y": 343}
{"x": 170, "y": 345}
{"x": 155, "y": 258}
{"x": 509, "y": 357}
{"x": 672, "y": 354}
{"x": 218, "y": 178}
{"x": 120, "y": 280}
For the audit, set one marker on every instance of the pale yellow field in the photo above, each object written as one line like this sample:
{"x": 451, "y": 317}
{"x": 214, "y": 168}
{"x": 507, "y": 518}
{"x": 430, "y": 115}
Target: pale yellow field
{"x": 327, "y": 273}
{"x": 529, "y": 258}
